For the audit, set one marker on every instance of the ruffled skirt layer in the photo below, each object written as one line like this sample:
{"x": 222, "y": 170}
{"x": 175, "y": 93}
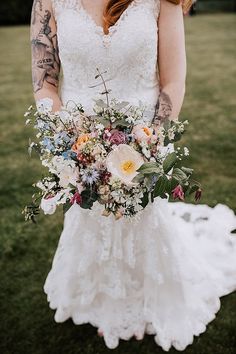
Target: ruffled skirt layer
{"x": 161, "y": 274}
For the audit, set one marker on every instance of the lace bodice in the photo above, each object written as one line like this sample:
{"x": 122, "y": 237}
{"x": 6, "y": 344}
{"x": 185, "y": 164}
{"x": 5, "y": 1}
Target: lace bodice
{"x": 128, "y": 53}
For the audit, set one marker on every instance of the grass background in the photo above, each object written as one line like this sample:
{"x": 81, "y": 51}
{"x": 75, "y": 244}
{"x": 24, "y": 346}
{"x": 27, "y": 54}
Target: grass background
{"x": 26, "y": 251}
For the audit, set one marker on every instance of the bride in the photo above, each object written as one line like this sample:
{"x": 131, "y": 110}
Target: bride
{"x": 163, "y": 274}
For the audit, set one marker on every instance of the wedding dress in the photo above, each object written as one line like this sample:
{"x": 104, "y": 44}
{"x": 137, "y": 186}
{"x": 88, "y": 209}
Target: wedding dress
{"x": 162, "y": 274}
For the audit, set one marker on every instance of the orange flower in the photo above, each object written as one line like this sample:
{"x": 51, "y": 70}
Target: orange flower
{"x": 142, "y": 132}
{"x": 147, "y": 131}
{"x": 81, "y": 140}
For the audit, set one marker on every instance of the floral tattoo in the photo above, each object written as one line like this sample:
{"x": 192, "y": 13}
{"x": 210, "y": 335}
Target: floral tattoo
{"x": 163, "y": 108}
{"x": 45, "y": 57}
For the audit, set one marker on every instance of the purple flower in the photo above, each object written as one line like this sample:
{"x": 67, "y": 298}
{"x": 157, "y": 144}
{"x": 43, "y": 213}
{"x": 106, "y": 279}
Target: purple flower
{"x": 178, "y": 192}
{"x": 89, "y": 175}
{"x": 117, "y": 137}
{"x": 198, "y": 194}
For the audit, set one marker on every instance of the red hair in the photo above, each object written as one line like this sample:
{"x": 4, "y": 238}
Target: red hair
{"x": 114, "y": 9}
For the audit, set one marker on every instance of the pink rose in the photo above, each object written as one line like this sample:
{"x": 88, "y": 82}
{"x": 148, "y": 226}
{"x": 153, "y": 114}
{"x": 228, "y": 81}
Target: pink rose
{"x": 143, "y": 133}
{"x": 117, "y": 137}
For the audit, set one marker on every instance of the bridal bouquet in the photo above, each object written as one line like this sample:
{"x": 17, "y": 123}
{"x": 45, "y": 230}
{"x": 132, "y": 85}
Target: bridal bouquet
{"x": 111, "y": 157}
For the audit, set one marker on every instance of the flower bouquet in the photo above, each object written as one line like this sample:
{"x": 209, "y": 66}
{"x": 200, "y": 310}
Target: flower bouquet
{"x": 111, "y": 157}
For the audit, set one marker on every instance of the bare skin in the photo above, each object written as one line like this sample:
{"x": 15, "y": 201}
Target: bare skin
{"x": 171, "y": 62}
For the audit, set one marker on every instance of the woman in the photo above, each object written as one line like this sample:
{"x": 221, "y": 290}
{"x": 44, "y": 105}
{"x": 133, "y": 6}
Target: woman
{"x": 164, "y": 274}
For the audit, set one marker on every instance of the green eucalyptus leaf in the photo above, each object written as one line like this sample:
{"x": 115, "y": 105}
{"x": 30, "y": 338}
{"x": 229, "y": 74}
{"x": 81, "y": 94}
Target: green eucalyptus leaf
{"x": 193, "y": 187}
{"x": 169, "y": 162}
{"x": 138, "y": 178}
{"x": 101, "y": 103}
{"x": 167, "y": 124}
{"x": 119, "y": 106}
{"x": 179, "y": 174}
{"x": 148, "y": 181}
{"x": 187, "y": 170}
{"x": 145, "y": 200}
{"x": 104, "y": 122}
{"x": 167, "y": 141}
{"x": 173, "y": 183}
{"x": 88, "y": 198}
{"x": 177, "y": 137}
{"x": 149, "y": 168}
{"x": 161, "y": 186}
{"x": 120, "y": 123}
{"x": 66, "y": 207}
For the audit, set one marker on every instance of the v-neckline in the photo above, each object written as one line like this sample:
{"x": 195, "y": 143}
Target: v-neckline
{"x": 113, "y": 28}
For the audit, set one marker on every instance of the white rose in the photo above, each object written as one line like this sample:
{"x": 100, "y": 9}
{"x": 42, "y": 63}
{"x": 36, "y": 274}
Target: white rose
{"x": 68, "y": 175}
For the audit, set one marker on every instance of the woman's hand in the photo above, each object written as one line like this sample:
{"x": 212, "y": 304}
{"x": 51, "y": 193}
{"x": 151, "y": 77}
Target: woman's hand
{"x": 45, "y": 58}
{"x": 171, "y": 61}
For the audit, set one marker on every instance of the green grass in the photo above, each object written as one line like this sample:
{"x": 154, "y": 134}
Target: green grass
{"x": 27, "y": 325}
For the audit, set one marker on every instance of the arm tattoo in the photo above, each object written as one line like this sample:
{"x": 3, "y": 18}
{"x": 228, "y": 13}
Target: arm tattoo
{"x": 45, "y": 56}
{"x": 163, "y": 108}
{"x": 36, "y": 4}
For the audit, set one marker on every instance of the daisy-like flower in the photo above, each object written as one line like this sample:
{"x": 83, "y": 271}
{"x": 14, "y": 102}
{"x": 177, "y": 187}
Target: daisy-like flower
{"x": 123, "y": 162}
{"x": 89, "y": 175}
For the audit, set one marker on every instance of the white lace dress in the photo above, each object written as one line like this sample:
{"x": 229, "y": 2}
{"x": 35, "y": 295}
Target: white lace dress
{"x": 164, "y": 273}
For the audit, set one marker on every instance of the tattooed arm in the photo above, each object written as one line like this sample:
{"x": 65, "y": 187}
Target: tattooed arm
{"x": 172, "y": 62}
{"x": 45, "y": 58}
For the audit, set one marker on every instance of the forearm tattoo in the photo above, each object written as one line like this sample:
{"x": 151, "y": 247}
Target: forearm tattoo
{"x": 45, "y": 57}
{"x": 163, "y": 108}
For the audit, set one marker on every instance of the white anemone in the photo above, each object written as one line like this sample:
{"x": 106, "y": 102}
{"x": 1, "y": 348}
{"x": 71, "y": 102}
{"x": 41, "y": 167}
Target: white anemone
{"x": 123, "y": 162}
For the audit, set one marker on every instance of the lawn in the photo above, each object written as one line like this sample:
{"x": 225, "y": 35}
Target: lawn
{"x": 26, "y": 250}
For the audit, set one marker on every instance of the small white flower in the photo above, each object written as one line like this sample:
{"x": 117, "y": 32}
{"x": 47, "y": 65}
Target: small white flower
{"x": 146, "y": 152}
{"x": 118, "y": 196}
{"x": 171, "y": 134}
{"x": 130, "y": 119}
{"x": 186, "y": 151}
{"x": 100, "y": 126}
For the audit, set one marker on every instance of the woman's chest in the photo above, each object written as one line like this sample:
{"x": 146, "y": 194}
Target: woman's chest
{"x": 134, "y": 35}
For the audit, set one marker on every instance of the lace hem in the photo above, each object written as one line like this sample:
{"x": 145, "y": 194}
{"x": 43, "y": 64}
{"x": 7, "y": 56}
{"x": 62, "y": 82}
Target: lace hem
{"x": 144, "y": 277}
